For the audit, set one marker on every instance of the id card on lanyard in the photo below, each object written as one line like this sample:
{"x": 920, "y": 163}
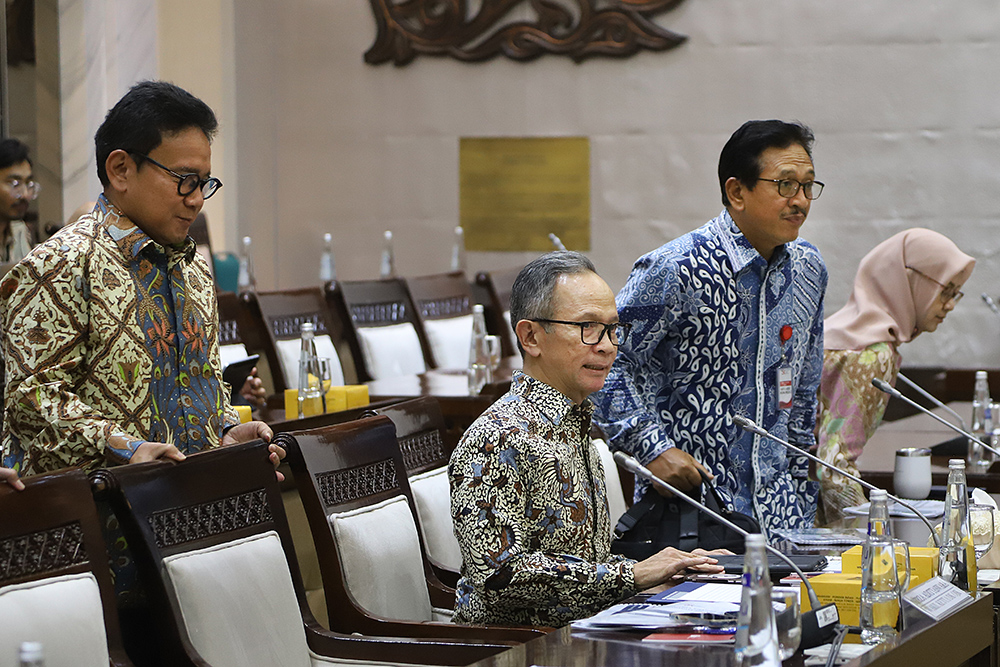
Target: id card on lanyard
{"x": 785, "y": 371}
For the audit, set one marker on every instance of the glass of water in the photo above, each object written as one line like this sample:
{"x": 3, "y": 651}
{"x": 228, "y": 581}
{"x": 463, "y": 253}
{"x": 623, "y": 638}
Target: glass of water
{"x": 981, "y": 525}
{"x": 787, "y": 620}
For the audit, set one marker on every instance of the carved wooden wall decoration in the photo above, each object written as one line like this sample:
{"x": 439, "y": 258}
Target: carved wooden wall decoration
{"x": 475, "y": 30}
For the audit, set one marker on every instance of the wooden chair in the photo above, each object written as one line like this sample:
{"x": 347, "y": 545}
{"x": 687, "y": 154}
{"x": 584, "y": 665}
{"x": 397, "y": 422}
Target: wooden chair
{"x": 444, "y": 311}
{"x": 422, "y": 436}
{"x": 282, "y": 313}
{"x": 382, "y": 328}
{"x": 376, "y": 577}
{"x": 241, "y": 334}
{"x": 55, "y": 585}
{"x": 212, "y": 546}
{"x": 497, "y": 284}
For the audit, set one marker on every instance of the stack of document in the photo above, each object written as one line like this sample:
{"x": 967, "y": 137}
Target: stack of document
{"x": 651, "y": 616}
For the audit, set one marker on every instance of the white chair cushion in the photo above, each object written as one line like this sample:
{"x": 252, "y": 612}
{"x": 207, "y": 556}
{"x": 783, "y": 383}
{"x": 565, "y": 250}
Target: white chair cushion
{"x": 64, "y": 613}
{"x": 616, "y": 499}
{"x": 450, "y": 340}
{"x": 432, "y": 496}
{"x": 230, "y": 353}
{"x": 392, "y": 351}
{"x": 380, "y": 555}
{"x": 290, "y": 350}
{"x": 238, "y": 603}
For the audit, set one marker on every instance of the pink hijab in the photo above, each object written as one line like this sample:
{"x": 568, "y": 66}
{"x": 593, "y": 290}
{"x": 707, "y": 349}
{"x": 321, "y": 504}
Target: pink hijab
{"x": 888, "y": 301}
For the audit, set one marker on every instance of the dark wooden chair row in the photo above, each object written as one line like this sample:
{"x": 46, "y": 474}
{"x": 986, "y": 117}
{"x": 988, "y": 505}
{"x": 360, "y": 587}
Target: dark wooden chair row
{"x": 376, "y": 328}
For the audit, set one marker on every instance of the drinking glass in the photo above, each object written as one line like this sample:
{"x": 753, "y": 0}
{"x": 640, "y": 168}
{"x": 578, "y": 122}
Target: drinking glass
{"x": 787, "y": 620}
{"x": 981, "y": 525}
{"x": 493, "y": 345}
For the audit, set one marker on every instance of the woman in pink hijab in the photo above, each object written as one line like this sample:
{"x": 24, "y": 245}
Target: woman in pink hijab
{"x": 905, "y": 286}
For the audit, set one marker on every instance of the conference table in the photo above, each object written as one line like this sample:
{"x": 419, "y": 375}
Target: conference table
{"x": 965, "y": 637}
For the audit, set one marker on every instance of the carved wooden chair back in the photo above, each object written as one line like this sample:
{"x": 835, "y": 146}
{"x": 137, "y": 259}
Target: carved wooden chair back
{"x": 420, "y": 431}
{"x": 212, "y": 544}
{"x": 283, "y": 313}
{"x": 55, "y": 585}
{"x": 376, "y": 576}
{"x": 444, "y": 309}
{"x": 498, "y": 285}
{"x": 383, "y": 330}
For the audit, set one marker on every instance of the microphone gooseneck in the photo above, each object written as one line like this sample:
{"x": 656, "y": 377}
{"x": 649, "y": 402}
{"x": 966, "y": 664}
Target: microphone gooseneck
{"x": 818, "y": 624}
{"x": 988, "y": 300}
{"x": 882, "y": 385}
{"x": 749, "y": 425}
{"x": 932, "y": 398}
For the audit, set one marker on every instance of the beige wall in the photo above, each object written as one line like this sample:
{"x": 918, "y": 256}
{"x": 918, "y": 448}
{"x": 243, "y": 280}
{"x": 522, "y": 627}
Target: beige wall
{"x": 907, "y": 120}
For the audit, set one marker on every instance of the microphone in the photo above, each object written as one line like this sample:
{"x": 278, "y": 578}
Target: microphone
{"x": 748, "y": 425}
{"x": 988, "y": 300}
{"x": 882, "y": 385}
{"x": 818, "y": 624}
{"x": 933, "y": 399}
{"x": 556, "y": 241}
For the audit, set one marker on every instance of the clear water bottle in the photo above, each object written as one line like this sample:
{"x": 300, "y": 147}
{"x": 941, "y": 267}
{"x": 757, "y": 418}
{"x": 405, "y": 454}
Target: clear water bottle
{"x": 756, "y": 630}
{"x": 880, "y": 588}
{"x": 979, "y": 458}
{"x": 957, "y": 562}
{"x": 327, "y": 272}
{"x": 310, "y": 388}
{"x": 480, "y": 371}
{"x": 246, "y": 282}
{"x": 458, "y": 251}
{"x": 30, "y": 655}
{"x": 387, "y": 267}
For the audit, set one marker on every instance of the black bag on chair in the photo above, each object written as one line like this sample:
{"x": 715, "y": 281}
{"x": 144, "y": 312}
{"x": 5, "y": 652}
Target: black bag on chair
{"x": 655, "y": 522}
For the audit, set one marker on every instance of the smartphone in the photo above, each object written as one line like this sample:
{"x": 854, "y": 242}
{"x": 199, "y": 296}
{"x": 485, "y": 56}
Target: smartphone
{"x": 236, "y": 373}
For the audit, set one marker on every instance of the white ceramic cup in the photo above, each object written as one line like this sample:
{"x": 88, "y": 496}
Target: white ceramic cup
{"x": 911, "y": 478}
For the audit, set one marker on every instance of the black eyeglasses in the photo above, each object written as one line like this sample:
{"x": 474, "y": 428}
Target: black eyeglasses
{"x": 789, "y": 187}
{"x": 188, "y": 183}
{"x": 592, "y": 333}
{"x": 947, "y": 293}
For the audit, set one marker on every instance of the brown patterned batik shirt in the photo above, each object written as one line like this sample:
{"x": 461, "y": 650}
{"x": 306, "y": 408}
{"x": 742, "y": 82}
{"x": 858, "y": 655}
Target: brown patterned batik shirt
{"x": 531, "y": 515}
{"x": 110, "y": 340}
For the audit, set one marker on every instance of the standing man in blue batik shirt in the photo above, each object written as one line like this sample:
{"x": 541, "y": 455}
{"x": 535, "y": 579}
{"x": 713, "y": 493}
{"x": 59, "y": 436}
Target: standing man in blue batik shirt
{"x": 728, "y": 319}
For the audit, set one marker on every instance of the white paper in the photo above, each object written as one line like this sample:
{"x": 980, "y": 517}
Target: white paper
{"x": 929, "y": 508}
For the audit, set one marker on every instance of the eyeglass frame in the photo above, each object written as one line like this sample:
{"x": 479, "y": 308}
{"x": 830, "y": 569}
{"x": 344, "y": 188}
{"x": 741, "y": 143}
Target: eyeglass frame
{"x": 956, "y": 296}
{"x": 609, "y": 329}
{"x": 202, "y": 182}
{"x": 798, "y": 185}
{"x": 31, "y": 187}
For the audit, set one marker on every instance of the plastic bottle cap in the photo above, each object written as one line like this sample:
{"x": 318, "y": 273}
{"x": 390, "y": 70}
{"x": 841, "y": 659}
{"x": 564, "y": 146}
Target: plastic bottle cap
{"x": 30, "y": 651}
{"x": 755, "y": 539}
{"x": 878, "y": 494}
{"x": 956, "y": 463}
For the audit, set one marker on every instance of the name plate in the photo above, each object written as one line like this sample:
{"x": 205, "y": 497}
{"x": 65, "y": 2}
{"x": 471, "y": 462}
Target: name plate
{"x": 937, "y": 598}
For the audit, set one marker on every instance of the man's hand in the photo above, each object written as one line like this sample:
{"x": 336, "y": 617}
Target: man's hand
{"x": 151, "y": 451}
{"x": 677, "y": 467}
{"x": 10, "y": 476}
{"x": 253, "y": 390}
{"x": 666, "y": 564}
{"x": 253, "y": 431}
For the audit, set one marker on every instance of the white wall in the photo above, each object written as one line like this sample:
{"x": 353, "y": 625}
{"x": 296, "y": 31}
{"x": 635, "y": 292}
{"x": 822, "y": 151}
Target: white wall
{"x": 900, "y": 94}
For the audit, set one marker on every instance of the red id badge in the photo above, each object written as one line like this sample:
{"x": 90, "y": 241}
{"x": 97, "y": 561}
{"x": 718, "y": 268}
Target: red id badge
{"x": 784, "y": 372}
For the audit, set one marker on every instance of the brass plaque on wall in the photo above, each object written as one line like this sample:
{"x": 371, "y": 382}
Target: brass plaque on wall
{"x": 515, "y": 191}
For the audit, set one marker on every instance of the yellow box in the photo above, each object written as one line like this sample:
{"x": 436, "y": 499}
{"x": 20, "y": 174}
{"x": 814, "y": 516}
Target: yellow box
{"x": 245, "y": 412}
{"x": 336, "y": 399}
{"x": 310, "y": 408}
{"x": 357, "y": 395}
{"x": 923, "y": 562}
{"x": 842, "y": 589}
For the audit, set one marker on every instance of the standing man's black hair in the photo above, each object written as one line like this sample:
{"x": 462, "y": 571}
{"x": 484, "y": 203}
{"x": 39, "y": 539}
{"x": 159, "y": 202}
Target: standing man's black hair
{"x": 740, "y": 157}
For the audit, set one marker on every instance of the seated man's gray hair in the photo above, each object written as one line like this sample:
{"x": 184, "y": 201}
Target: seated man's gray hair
{"x": 531, "y": 295}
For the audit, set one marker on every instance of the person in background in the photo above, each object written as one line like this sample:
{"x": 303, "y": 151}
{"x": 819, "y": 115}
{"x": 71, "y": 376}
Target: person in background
{"x": 528, "y": 496}
{"x": 905, "y": 286}
{"x": 17, "y": 190}
{"x": 728, "y": 319}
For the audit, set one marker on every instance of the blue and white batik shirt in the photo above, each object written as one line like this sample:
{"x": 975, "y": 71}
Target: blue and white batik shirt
{"x": 712, "y": 323}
